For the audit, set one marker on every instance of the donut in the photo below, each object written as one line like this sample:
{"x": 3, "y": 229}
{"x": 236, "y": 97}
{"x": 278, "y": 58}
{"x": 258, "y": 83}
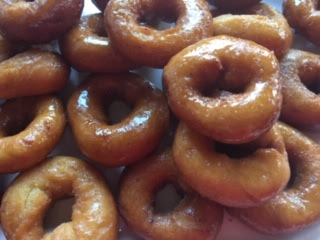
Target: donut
{"x": 304, "y": 16}
{"x": 25, "y": 202}
{"x": 206, "y": 88}
{"x": 30, "y": 128}
{"x": 193, "y": 218}
{"x": 100, "y": 4}
{"x": 266, "y": 27}
{"x": 38, "y": 21}
{"x": 147, "y": 46}
{"x": 33, "y": 72}
{"x": 131, "y": 139}
{"x": 298, "y": 206}
{"x": 87, "y": 49}
{"x": 234, "y": 4}
{"x": 242, "y": 175}
{"x": 301, "y": 76}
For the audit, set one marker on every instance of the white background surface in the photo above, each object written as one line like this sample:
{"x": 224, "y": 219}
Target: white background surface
{"x": 232, "y": 229}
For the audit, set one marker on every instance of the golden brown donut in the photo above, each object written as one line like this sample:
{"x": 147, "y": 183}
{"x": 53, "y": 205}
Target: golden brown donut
{"x": 101, "y": 4}
{"x": 266, "y": 27}
{"x": 304, "y": 16}
{"x": 225, "y": 88}
{"x": 32, "y": 72}
{"x": 301, "y": 76}
{"x": 30, "y": 128}
{"x": 87, "y": 48}
{"x": 38, "y": 21}
{"x": 25, "y": 202}
{"x": 193, "y": 218}
{"x": 147, "y": 46}
{"x": 234, "y": 4}
{"x": 233, "y": 175}
{"x": 135, "y": 136}
{"x": 298, "y": 206}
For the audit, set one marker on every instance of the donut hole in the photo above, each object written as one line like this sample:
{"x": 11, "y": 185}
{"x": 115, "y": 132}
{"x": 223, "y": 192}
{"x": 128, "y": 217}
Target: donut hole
{"x": 314, "y": 87}
{"x": 157, "y": 22}
{"x": 293, "y": 174}
{"x": 16, "y": 125}
{"x": 60, "y": 212}
{"x": 95, "y": 24}
{"x": 167, "y": 197}
{"x": 235, "y": 151}
{"x": 116, "y": 110}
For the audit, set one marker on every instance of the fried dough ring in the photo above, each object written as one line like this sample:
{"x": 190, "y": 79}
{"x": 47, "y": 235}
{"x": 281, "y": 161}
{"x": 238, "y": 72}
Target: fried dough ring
{"x": 129, "y": 140}
{"x": 221, "y": 63}
{"x": 33, "y": 72}
{"x": 298, "y": 206}
{"x": 238, "y": 181}
{"x": 87, "y": 50}
{"x": 304, "y": 16}
{"x": 266, "y": 27}
{"x": 150, "y": 47}
{"x": 300, "y": 70}
{"x": 38, "y": 21}
{"x": 234, "y": 4}
{"x": 193, "y": 218}
{"x": 27, "y": 199}
{"x": 20, "y": 147}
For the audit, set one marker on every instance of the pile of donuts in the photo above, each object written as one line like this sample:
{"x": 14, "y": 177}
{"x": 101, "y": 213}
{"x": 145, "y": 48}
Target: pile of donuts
{"x": 216, "y": 131}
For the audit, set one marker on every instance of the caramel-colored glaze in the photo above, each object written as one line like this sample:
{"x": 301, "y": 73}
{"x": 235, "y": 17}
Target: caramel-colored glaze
{"x": 38, "y": 21}
{"x": 225, "y": 65}
{"x": 259, "y": 23}
{"x": 300, "y": 70}
{"x": 135, "y": 136}
{"x": 87, "y": 50}
{"x": 238, "y": 182}
{"x": 234, "y": 4}
{"x": 100, "y": 4}
{"x": 147, "y": 46}
{"x": 193, "y": 218}
{"x": 32, "y": 72}
{"x": 25, "y": 202}
{"x": 298, "y": 206}
{"x": 30, "y": 128}
{"x": 304, "y": 17}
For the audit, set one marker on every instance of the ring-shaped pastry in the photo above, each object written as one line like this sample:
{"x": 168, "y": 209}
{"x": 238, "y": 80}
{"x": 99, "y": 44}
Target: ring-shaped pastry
{"x": 225, "y": 88}
{"x": 30, "y": 195}
{"x": 38, "y": 21}
{"x": 246, "y": 175}
{"x": 298, "y": 206}
{"x": 87, "y": 49}
{"x": 30, "y": 128}
{"x": 193, "y": 218}
{"x": 147, "y": 46}
{"x": 131, "y": 139}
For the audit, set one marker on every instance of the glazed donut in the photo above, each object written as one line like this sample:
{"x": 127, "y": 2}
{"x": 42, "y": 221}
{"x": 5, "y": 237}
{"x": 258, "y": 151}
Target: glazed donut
{"x": 88, "y": 50}
{"x": 193, "y": 218}
{"x": 129, "y": 140}
{"x": 266, "y": 27}
{"x": 304, "y": 17}
{"x": 298, "y": 206}
{"x": 300, "y": 71}
{"x": 220, "y": 64}
{"x": 100, "y": 4}
{"x": 38, "y": 21}
{"x": 150, "y": 47}
{"x": 30, "y": 128}
{"x": 32, "y": 72}
{"x": 234, "y": 4}
{"x": 247, "y": 175}
{"x": 27, "y": 199}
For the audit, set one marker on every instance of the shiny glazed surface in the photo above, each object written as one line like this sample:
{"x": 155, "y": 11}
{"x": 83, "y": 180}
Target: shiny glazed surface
{"x": 24, "y": 204}
{"x": 30, "y": 128}
{"x": 301, "y": 72}
{"x": 225, "y": 88}
{"x": 232, "y": 181}
{"x": 193, "y": 218}
{"x": 304, "y": 16}
{"x": 38, "y": 21}
{"x": 259, "y": 23}
{"x": 88, "y": 49}
{"x": 135, "y": 136}
{"x": 148, "y": 46}
{"x": 298, "y": 206}
{"x": 232, "y": 4}
{"x": 32, "y": 72}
